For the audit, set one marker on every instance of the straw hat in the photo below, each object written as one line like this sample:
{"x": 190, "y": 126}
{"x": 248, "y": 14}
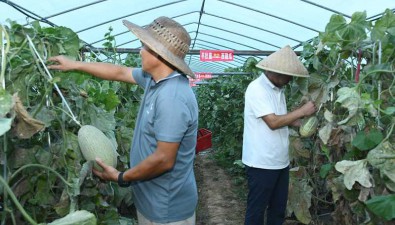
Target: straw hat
{"x": 284, "y": 61}
{"x": 167, "y": 38}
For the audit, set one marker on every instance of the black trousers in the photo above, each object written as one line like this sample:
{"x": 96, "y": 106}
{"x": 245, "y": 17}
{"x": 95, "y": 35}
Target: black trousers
{"x": 268, "y": 191}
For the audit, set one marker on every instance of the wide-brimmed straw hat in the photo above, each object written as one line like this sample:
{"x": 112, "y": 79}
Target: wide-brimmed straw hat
{"x": 284, "y": 61}
{"x": 167, "y": 38}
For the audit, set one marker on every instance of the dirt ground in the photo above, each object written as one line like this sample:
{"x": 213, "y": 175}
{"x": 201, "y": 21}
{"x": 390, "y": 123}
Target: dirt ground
{"x": 219, "y": 203}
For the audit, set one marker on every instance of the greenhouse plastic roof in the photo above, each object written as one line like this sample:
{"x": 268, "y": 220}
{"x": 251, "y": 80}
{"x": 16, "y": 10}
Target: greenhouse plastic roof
{"x": 249, "y": 27}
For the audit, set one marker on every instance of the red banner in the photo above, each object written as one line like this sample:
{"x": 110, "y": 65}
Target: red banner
{"x": 192, "y": 83}
{"x": 199, "y": 76}
{"x": 216, "y": 55}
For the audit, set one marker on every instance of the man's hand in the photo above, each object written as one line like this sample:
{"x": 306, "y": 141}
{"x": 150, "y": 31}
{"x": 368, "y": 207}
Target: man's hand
{"x": 61, "y": 63}
{"x": 105, "y": 71}
{"x": 109, "y": 173}
{"x": 308, "y": 108}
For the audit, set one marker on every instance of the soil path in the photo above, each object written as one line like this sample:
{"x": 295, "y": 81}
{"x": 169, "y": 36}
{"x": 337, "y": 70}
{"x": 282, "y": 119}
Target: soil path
{"x": 219, "y": 203}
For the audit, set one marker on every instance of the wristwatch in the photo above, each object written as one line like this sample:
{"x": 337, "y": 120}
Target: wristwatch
{"x": 121, "y": 182}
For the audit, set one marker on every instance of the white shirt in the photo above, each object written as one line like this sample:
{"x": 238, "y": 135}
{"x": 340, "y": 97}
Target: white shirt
{"x": 263, "y": 147}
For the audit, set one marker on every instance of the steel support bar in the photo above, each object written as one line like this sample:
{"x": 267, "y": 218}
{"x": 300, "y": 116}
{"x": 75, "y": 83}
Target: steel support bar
{"x": 132, "y": 14}
{"x": 271, "y": 15}
{"x": 249, "y": 25}
{"x": 326, "y": 8}
{"x": 230, "y": 73}
{"x": 191, "y": 52}
{"x": 73, "y": 9}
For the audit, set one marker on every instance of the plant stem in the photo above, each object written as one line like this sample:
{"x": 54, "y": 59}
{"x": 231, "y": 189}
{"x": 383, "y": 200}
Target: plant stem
{"x": 46, "y": 73}
{"x": 47, "y": 90}
{"x": 4, "y": 52}
{"x": 321, "y": 200}
{"x": 389, "y": 132}
{"x": 4, "y": 173}
{"x": 16, "y": 202}
{"x": 41, "y": 166}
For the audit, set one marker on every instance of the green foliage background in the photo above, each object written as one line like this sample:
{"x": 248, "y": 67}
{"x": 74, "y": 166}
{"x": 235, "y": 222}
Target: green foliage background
{"x": 27, "y": 162}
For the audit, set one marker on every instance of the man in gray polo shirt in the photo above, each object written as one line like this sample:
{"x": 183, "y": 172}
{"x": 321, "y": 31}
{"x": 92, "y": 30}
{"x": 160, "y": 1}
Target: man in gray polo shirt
{"x": 163, "y": 148}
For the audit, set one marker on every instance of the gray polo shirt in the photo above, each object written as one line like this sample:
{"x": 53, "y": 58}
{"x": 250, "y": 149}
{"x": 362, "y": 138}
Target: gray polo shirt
{"x": 168, "y": 113}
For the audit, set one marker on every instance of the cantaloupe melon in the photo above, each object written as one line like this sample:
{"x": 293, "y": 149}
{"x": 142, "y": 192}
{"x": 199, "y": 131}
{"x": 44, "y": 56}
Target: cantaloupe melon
{"x": 94, "y": 143}
{"x": 81, "y": 217}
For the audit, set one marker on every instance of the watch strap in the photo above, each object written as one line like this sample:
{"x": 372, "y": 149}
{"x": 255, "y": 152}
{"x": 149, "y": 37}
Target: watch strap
{"x": 121, "y": 182}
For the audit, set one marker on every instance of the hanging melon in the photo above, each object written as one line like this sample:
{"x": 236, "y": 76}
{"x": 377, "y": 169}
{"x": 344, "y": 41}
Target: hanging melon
{"x": 81, "y": 217}
{"x": 309, "y": 126}
{"x": 95, "y": 144}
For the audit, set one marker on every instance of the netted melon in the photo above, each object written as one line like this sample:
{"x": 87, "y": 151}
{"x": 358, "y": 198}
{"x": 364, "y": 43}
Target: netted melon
{"x": 81, "y": 217}
{"x": 95, "y": 144}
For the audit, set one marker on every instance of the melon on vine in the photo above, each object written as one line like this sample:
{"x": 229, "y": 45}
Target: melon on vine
{"x": 95, "y": 144}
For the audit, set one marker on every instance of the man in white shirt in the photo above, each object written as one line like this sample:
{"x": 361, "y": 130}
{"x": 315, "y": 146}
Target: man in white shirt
{"x": 266, "y": 136}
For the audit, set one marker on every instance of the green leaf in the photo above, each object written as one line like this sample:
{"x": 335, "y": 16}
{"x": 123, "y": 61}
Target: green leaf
{"x": 67, "y": 41}
{"x": 325, "y": 132}
{"x": 6, "y": 103}
{"x": 43, "y": 156}
{"x": 336, "y": 22}
{"x": 339, "y": 33}
{"x": 382, "y": 206}
{"x": 391, "y": 31}
{"x": 384, "y": 25}
{"x": 325, "y": 169}
{"x": 100, "y": 118}
{"x": 356, "y": 29}
{"x": 354, "y": 171}
{"x": 320, "y": 86}
{"x": 300, "y": 199}
{"x": 5, "y": 125}
{"x": 367, "y": 140}
{"x": 369, "y": 104}
{"x": 378, "y": 68}
{"x": 383, "y": 158}
{"x": 36, "y": 25}
{"x": 390, "y": 110}
{"x": 350, "y": 99}
{"x": 298, "y": 149}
